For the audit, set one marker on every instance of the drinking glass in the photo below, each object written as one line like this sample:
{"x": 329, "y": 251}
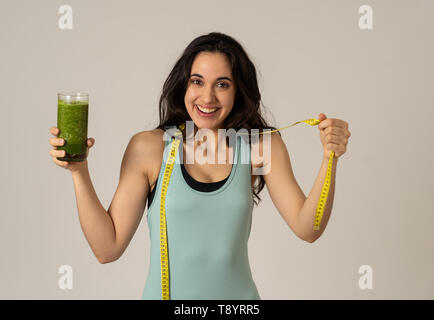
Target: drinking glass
{"x": 72, "y": 117}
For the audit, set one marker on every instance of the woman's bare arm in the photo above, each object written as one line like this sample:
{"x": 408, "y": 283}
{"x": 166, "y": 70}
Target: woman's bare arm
{"x": 109, "y": 232}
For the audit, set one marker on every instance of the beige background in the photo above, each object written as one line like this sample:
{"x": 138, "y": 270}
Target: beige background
{"x": 311, "y": 57}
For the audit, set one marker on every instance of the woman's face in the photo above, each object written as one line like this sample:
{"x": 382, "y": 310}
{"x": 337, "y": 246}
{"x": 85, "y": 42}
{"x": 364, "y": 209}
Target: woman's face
{"x": 210, "y": 86}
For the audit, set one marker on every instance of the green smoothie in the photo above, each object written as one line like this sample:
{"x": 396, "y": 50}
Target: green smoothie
{"x": 72, "y": 119}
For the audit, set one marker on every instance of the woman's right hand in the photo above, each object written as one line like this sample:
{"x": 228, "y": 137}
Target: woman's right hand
{"x": 55, "y": 142}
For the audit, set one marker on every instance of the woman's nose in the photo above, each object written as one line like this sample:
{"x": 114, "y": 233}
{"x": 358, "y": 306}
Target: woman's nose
{"x": 208, "y": 96}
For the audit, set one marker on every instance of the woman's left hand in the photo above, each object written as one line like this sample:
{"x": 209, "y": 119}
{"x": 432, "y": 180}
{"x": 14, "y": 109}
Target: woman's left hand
{"x": 334, "y": 135}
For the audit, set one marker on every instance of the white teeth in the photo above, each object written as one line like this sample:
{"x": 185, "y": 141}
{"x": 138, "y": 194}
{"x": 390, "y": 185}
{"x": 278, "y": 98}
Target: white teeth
{"x": 206, "y": 110}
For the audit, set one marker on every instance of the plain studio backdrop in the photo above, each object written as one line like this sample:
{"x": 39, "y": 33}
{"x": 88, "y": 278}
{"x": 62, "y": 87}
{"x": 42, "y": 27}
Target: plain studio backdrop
{"x": 311, "y": 56}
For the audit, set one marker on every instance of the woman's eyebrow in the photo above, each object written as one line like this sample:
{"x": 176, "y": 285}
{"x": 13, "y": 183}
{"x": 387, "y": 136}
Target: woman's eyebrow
{"x": 219, "y": 78}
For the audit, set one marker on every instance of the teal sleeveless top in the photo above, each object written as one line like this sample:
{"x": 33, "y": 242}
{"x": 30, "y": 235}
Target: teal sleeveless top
{"x": 207, "y": 234}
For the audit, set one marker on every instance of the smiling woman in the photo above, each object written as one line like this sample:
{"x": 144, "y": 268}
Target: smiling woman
{"x": 207, "y": 207}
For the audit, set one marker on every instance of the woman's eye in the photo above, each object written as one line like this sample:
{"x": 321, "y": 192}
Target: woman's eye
{"x": 220, "y": 84}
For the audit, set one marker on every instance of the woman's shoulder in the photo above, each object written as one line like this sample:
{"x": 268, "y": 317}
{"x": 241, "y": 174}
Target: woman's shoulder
{"x": 148, "y": 147}
{"x": 150, "y": 139}
{"x": 261, "y": 155}
{"x": 156, "y": 131}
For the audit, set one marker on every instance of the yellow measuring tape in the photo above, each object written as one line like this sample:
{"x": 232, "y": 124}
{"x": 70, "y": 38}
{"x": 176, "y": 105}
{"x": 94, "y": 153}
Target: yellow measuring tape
{"x": 164, "y": 257}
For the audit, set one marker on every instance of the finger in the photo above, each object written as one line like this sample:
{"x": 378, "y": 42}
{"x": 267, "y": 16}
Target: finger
{"x": 340, "y": 131}
{"x": 57, "y": 153}
{"x": 63, "y": 164}
{"x": 338, "y": 123}
{"x": 332, "y": 138}
{"x": 324, "y": 124}
{"x": 322, "y": 117}
{"x": 343, "y": 133}
{"x": 54, "y": 131}
{"x": 343, "y": 124}
{"x": 330, "y": 122}
{"x": 336, "y": 131}
{"x": 56, "y": 142}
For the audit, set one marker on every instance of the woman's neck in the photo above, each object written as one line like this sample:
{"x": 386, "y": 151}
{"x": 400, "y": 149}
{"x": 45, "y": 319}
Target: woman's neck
{"x": 220, "y": 141}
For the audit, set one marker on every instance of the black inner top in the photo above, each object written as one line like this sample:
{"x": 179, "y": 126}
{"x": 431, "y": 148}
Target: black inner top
{"x": 196, "y": 185}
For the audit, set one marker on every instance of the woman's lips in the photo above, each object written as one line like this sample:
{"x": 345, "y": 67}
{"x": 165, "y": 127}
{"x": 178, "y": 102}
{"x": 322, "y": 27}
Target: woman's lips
{"x": 205, "y": 106}
{"x": 206, "y": 115}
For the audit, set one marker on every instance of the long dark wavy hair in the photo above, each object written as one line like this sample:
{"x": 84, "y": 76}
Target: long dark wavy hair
{"x": 246, "y": 111}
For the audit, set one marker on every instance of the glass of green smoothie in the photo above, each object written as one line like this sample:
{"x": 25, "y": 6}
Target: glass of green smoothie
{"x": 72, "y": 116}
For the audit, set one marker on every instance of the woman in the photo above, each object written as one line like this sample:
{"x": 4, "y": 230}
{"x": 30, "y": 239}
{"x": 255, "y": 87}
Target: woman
{"x": 208, "y": 206}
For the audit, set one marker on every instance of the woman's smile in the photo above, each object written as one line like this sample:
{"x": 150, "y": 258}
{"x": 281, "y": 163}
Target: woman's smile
{"x": 206, "y": 111}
